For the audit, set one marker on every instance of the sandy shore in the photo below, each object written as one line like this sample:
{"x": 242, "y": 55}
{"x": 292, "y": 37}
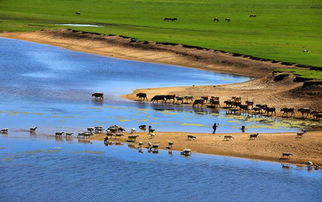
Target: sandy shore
{"x": 268, "y": 146}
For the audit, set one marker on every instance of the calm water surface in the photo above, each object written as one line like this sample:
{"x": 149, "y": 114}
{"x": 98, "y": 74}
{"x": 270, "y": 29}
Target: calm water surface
{"x": 50, "y": 87}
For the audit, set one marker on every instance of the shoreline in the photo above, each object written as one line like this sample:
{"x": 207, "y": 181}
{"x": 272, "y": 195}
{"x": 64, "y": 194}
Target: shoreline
{"x": 267, "y": 147}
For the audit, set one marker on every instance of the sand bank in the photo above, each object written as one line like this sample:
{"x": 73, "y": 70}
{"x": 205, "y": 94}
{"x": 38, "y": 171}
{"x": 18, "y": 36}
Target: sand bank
{"x": 268, "y": 146}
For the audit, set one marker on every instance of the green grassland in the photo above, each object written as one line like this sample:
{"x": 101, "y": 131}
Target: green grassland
{"x": 281, "y": 30}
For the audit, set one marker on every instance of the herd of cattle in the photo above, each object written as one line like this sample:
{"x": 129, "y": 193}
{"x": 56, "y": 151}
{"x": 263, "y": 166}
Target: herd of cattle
{"x": 234, "y": 105}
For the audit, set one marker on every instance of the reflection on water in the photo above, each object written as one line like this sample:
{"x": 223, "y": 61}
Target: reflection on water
{"x": 45, "y": 170}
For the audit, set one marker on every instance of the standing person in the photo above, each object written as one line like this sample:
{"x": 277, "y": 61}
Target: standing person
{"x": 243, "y": 129}
{"x": 214, "y": 127}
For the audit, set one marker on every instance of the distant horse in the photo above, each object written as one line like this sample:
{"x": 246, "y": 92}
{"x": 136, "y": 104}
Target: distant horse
{"x": 304, "y": 111}
{"x": 216, "y": 19}
{"x": 227, "y": 20}
{"x": 158, "y": 98}
{"x": 170, "y": 19}
{"x": 288, "y": 111}
{"x": 77, "y": 13}
{"x": 252, "y": 15}
{"x": 98, "y": 96}
{"x": 141, "y": 96}
{"x": 198, "y": 102}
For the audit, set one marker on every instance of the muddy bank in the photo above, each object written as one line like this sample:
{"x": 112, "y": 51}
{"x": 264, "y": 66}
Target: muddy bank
{"x": 268, "y": 146}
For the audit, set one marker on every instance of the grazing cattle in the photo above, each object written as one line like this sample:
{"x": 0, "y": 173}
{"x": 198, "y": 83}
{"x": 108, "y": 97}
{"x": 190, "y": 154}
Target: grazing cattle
{"x": 198, "y": 102}
{"x": 77, "y": 13}
{"x": 252, "y": 15}
{"x": 286, "y": 155}
{"x": 253, "y": 136}
{"x": 178, "y": 99}
{"x": 228, "y": 137}
{"x": 216, "y": 19}
{"x": 191, "y": 137}
{"x": 188, "y": 98}
{"x": 141, "y": 96}
{"x": 158, "y": 98}
{"x": 288, "y": 111}
{"x": 170, "y": 19}
{"x": 304, "y": 111}
{"x": 227, "y": 20}
{"x": 98, "y": 96}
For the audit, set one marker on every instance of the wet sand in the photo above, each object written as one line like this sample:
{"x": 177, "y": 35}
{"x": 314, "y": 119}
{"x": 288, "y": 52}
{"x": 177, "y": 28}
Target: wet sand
{"x": 268, "y": 146}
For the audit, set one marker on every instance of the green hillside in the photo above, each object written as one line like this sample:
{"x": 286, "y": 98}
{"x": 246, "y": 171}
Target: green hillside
{"x": 281, "y": 30}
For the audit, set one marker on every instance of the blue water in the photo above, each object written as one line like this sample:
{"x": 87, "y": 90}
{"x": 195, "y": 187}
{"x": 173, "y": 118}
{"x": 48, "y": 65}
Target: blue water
{"x": 50, "y": 87}
{"x": 42, "y": 169}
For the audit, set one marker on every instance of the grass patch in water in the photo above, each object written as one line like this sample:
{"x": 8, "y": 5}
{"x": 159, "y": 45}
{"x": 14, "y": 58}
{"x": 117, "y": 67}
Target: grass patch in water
{"x": 89, "y": 152}
{"x": 14, "y": 113}
{"x": 193, "y": 124}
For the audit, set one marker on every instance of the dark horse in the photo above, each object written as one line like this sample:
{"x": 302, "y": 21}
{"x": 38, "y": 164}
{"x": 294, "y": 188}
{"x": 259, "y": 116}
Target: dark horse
{"x": 98, "y": 96}
{"x": 141, "y": 96}
{"x": 170, "y": 19}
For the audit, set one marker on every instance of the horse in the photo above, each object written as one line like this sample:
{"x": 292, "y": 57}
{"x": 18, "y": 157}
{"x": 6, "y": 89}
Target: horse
{"x": 188, "y": 98}
{"x": 141, "y": 96}
{"x": 227, "y": 20}
{"x": 158, "y": 98}
{"x": 198, "y": 102}
{"x": 252, "y": 15}
{"x": 253, "y": 136}
{"x": 288, "y": 111}
{"x": 170, "y": 19}
{"x": 216, "y": 19}
{"x": 304, "y": 111}
{"x": 170, "y": 97}
{"x": 98, "y": 96}
{"x": 270, "y": 110}
{"x": 77, "y": 13}
{"x": 179, "y": 98}
{"x": 286, "y": 155}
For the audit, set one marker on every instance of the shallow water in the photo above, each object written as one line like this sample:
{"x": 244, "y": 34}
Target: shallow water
{"x": 50, "y": 87}
{"x": 41, "y": 169}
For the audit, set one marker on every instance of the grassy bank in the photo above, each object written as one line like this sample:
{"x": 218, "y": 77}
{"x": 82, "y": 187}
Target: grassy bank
{"x": 281, "y": 30}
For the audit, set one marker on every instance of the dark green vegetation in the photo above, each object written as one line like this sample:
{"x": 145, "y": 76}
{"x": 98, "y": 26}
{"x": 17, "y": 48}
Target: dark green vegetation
{"x": 281, "y": 30}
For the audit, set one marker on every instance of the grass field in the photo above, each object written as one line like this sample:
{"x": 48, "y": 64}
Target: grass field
{"x": 281, "y": 30}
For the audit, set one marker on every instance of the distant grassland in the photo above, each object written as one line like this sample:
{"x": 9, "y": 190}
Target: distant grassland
{"x": 281, "y": 30}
